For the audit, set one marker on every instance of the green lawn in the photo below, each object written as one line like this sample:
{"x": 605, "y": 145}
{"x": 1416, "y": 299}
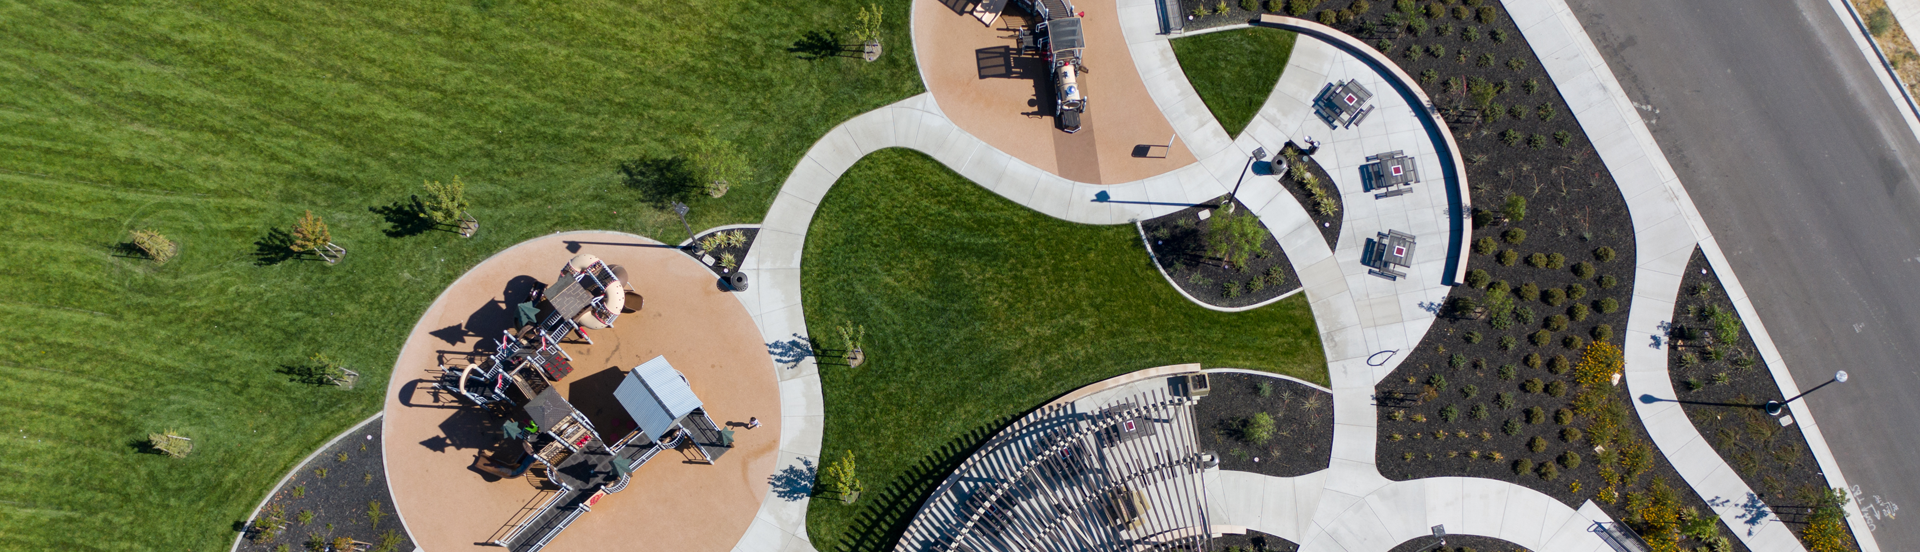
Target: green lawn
{"x": 217, "y": 122}
{"x": 1234, "y": 71}
{"x": 978, "y": 310}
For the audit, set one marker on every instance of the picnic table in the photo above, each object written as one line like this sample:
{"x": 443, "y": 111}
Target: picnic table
{"x": 1389, "y": 170}
{"x": 1390, "y": 249}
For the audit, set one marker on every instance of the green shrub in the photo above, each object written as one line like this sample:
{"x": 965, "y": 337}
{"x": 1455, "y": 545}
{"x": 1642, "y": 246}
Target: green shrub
{"x": 1537, "y": 444}
{"x": 1879, "y": 21}
{"x": 1258, "y": 429}
{"x": 1468, "y": 34}
{"x": 1417, "y": 25}
{"x": 1523, "y": 314}
{"x": 1470, "y": 391}
{"x": 1471, "y": 337}
{"x": 1548, "y": 471}
{"x": 1436, "y": 10}
{"x": 1514, "y": 236}
{"x": 1360, "y": 6}
{"x": 1528, "y": 292}
{"x": 1415, "y": 51}
{"x": 1522, "y": 466}
{"x": 1570, "y": 434}
{"x": 1556, "y": 323}
{"x": 1537, "y": 260}
{"x": 1405, "y": 6}
{"x": 1503, "y": 400}
{"x": 1499, "y": 35}
{"x": 1574, "y": 342}
{"x": 1558, "y": 365}
{"x": 1533, "y": 385}
{"x": 1547, "y": 112}
{"x": 1462, "y": 13}
{"x": 1328, "y": 17}
{"x": 1462, "y": 305}
{"x": 1479, "y": 412}
{"x": 1603, "y": 254}
{"x": 1485, "y": 246}
{"x": 1511, "y": 427}
{"x": 1531, "y": 86}
{"x": 1496, "y": 111}
{"x": 1489, "y": 15}
{"x": 1299, "y": 8}
{"x": 1457, "y": 360}
{"x": 1570, "y": 459}
{"x": 1553, "y": 297}
{"x": 1576, "y": 291}
{"x": 1250, "y": 5}
{"x": 1512, "y": 138}
{"x": 1426, "y": 76}
{"x": 1563, "y": 138}
{"x": 1438, "y": 50}
{"x": 1726, "y": 327}
{"x": 1578, "y": 312}
{"x": 1537, "y": 141}
{"x": 1508, "y": 372}
{"x": 1607, "y": 281}
{"x": 1563, "y": 416}
{"x": 1517, "y": 63}
{"x": 1603, "y": 332}
{"x": 1383, "y": 45}
{"x": 1556, "y": 260}
{"x": 1606, "y": 305}
{"x": 1536, "y": 415}
{"x": 1509, "y": 257}
{"x": 1557, "y": 388}
{"x": 1449, "y": 413}
{"x": 1439, "y": 382}
{"x": 1519, "y": 112}
{"x": 1486, "y": 60}
{"x": 1507, "y": 343}
{"x": 1478, "y": 279}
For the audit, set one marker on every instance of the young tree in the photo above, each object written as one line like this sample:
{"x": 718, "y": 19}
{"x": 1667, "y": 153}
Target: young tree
{"x": 718, "y": 162}
{"x": 310, "y": 234}
{"x": 867, "y": 24}
{"x": 447, "y": 204}
{"x": 840, "y": 479}
{"x": 1234, "y": 237}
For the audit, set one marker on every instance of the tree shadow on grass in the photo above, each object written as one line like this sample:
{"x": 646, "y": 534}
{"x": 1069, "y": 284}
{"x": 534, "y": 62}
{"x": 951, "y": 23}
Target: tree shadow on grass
{"x": 883, "y": 517}
{"x": 274, "y": 248}
{"x": 408, "y": 218}
{"x": 660, "y": 179}
{"x": 818, "y": 45}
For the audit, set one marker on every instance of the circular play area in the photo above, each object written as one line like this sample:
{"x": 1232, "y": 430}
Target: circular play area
{"x": 583, "y": 390}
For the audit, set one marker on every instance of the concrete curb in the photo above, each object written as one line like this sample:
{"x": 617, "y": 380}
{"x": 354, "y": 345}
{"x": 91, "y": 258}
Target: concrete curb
{"x": 237, "y": 539}
{"x": 1667, "y": 227}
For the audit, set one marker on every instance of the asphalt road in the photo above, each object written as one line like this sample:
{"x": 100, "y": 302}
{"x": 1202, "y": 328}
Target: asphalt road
{"x": 1802, "y": 166}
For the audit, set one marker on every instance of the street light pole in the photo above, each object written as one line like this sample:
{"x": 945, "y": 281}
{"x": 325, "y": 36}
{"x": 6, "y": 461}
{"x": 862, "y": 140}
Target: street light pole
{"x": 1774, "y": 407}
{"x": 681, "y": 209}
{"x": 1258, "y": 154}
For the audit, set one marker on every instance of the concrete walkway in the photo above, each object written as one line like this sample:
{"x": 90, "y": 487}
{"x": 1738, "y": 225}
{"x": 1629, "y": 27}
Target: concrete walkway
{"x": 1349, "y": 506}
{"x": 1667, "y": 228}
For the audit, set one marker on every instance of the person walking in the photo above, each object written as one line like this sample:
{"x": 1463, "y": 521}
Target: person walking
{"x": 753, "y": 422}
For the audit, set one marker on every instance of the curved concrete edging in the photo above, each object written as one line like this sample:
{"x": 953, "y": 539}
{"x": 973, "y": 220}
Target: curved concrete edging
{"x": 1226, "y": 370}
{"x": 1452, "y": 168}
{"x": 1196, "y": 300}
{"x": 1667, "y": 227}
{"x": 255, "y": 513}
{"x": 724, "y": 227}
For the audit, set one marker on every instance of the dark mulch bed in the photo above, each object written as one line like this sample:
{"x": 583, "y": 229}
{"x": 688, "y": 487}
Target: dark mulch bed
{"x": 1573, "y": 209}
{"x": 1302, "y": 440}
{"x": 1179, "y": 244}
{"x": 1236, "y": 13}
{"x": 1459, "y": 543}
{"x": 722, "y": 250}
{"x": 338, "y": 494}
{"x": 1723, "y": 387}
{"x": 1329, "y": 223}
{"x": 1253, "y": 541}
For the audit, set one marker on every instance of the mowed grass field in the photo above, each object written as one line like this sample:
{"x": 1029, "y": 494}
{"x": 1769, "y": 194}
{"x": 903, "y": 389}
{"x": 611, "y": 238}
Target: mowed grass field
{"x": 1234, "y": 71}
{"x": 217, "y": 123}
{"x": 978, "y": 310}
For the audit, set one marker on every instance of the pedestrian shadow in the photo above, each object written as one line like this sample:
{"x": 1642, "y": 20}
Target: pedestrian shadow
{"x": 793, "y": 483}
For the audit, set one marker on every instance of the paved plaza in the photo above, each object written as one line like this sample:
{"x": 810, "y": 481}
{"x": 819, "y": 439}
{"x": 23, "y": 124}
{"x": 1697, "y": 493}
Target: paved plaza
{"x": 1367, "y": 324}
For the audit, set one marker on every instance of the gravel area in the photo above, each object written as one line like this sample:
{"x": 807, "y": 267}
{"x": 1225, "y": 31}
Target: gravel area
{"x": 1301, "y": 439}
{"x": 339, "y": 493}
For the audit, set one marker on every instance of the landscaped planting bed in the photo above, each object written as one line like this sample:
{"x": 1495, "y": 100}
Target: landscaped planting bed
{"x": 340, "y": 494}
{"x": 1252, "y": 541}
{"x": 1459, "y": 543}
{"x": 1723, "y": 385}
{"x": 1316, "y": 193}
{"x": 723, "y": 250}
{"x": 1199, "y": 255}
{"x": 1266, "y": 425}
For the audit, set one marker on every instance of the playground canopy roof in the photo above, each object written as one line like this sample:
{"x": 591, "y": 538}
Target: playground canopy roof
{"x": 1064, "y": 34}
{"x": 656, "y": 396}
{"x": 548, "y": 408}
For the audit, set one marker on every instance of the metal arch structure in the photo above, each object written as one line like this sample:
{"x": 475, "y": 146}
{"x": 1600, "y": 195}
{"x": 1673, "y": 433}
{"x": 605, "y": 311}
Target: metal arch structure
{"x": 1127, "y": 477}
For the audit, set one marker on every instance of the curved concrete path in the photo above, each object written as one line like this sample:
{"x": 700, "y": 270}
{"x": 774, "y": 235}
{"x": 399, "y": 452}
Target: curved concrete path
{"x": 1349, "y": 506}
{"x": 1667, "y": 228}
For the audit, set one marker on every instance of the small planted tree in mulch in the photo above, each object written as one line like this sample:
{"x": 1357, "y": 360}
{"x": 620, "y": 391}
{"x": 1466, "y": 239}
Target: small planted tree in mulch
{"x": 850, "y": 347}
{"x": 310, "y": 233}
{"x": 840, "y": 481}
{"x": 446, "y": 204}
{"x": 155, "y": 245}
{"x": 866, "y": 28}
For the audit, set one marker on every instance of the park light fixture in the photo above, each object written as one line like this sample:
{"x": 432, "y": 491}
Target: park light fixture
{"x": 1775, "y": 407}
{"x": 1259, "y": 154}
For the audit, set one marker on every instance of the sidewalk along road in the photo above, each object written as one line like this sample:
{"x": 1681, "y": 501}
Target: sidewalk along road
{"x": 1802, "y": 166}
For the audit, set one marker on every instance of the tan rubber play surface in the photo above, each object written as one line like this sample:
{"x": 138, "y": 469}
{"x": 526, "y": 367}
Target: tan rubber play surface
{"x": 1006, "y": 101}
{"x": 672, "y": 504}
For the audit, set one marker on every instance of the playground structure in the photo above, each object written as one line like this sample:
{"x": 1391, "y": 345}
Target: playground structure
{"x": 1058, "y": 37}
{"x": 544, "y": 435}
